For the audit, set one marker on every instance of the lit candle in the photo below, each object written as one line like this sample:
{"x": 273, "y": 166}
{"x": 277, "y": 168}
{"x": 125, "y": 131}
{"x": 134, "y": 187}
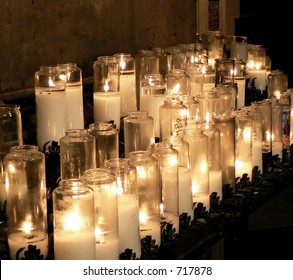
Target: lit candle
{"x": 215, "y": 182}
{"x": 25, "y": 238}
{"x": 185, "y": 191}
{"x": 107, "y": 107}
{"x": 128, "y": 94}
{"x": 74, "y": 243}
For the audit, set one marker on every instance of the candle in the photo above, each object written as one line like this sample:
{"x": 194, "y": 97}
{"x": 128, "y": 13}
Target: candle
{"x": 50, "y": 107}
{"x": 242, "y": 167}
{"x": 128, "y": 94}
{"x": 74, "y": 245}
{"x": 185, "y": 191}
{"x": 74, "y": 107}
{"x": 19, "y": 243}
{"x": 128, "y": 215}
{"x": 107, "y": 250}
{"x": 256, "y": 158}
{"x": 215, "y": 182}
{"x": 107, "y": 107}
{"x": 241, "y": 84}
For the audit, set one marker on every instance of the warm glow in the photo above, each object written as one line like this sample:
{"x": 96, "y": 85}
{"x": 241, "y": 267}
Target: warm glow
{"x": 119, "y": 186}
{"x": 176, "y": 89}
{"x": 277, "y": 94}
{"x": 203, "y": 166}
{"x": 208, "y": 117}
{"x": 72, "y": 222}
{"x": 247, "y": 134}
{"x": 141, "y": 173}
{"x": 51, "y": 83}
{"x": 106, "y": 86}
{"x": 268, "y": 136}
{"x": 203, "y": 70}
{"x": 238, "y": 164}
{"x": 161, "y": 208}
{"x": 27, "y": 227}
{"x": 100, "y": 236}
{"x": 122, "y": 64}
{"x": 142, "y": 217}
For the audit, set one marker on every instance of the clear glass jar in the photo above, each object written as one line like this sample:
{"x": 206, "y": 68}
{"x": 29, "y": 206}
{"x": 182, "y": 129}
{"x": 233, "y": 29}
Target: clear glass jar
{"x": 227, "y": 132}
{"x": 128, "y": 205}
{"x": 192, "y": 106}
{"x": 173, "y": 116}
{"x": 169, "y": 184}
{"x": 73, "y": 95}
{"x": 277, "y": 83}
{"x": 127, "y": 87}
{"x": 107, "y": 141}
{"x": 277, "y": 128}
{"x": 225, "y": 70}
{"x": 184, "y": 176}
{"x": 239, "y": 48}
{"x": 243, "y": 145}
{"x": 149, "y": 195}
{"x": 240, "y": 79}
{"x": 285, "y": 100}
{"x": 138, "y": 132}
{"x": 207, "y": 105}
{"x": 106, "y": 96}
{"x": 74, "y": 221}
{"x": 10, "y": 135}
{"x": 77, "y": 153}
{"x": 152, "y": 96}
{"x": 178, "y": 57}
{"x": 106, "y": 212}
{"x": 50, "y": 105}
{"x": 26, "y": 203}
{"x": 199, "y": 163}
{"x": 226, "y": 103}
{"x": 215, "y": 164}
{"x": 178, "y": 82}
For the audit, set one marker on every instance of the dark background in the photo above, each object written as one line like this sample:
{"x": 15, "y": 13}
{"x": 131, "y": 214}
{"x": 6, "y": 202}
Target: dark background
{"x": 271, "y": 25}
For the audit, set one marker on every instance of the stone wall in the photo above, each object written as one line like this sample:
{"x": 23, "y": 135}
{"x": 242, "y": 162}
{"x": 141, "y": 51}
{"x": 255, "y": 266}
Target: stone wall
{"x": 47, "y": 32}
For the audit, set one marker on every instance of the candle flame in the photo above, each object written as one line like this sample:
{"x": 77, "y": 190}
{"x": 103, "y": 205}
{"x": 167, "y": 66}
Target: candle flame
{"x": 176, "y": 89}
{"x": 73, "y": 222}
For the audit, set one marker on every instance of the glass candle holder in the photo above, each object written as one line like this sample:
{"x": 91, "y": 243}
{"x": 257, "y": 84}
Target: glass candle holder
{"x": 152, "y": 96}
{"x": 191, "y": 104}
{"x": 277, "y": 83}
{"x": 243, "y": 137}
{"x": 77, "y": 153}
{"x": 215, "y": 164}
{"x": 178, "y": 82}
{"x": 106, "y": 212}
{"x": 285, "y": 100}
{"x": 199, "y": 163}
{"x": 128, "y": 205}
{"x": 106, "y": 94}
{"x": 50, "y": 105}
{"x": 225, "y": 70}
{"x": 178, "y": 57}
{"x": 138, "y": 131}
{"x": 226, "y": 103}
{"x": 277, "y": 128}
{"x": 207, "y": 105}
{"x": 127, "y": 87}
{"x": 239, "y": 48}
{"x": 240, "y": 79}
{"x": 228, "y": 149}
{"x": 74, "y": 114}
{"x": 169, "y": 185}
{"x": 164, "y": 60}
{"x": 10, "y": 135}
{"x": 149, "y": 195}
{"x": 184, "y": 176}
{"x": 26, "y": 203}
{"x": 107, "y": 141}
{"x": 74, "y": 221}
{"x": 173, "y": 116}
{"x": 194, "y": 71}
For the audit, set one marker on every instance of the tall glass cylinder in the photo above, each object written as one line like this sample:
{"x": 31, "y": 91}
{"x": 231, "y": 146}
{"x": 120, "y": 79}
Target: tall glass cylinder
{"x": 138, "y": 132}
{"x": 228, "y": 149}
{"x": 149, "y": 195}
{"x": 173, "y": 116}
{"x": 127, "y": 86}
{"x": 152, "y": 96}
{"x": 168, "y": 172}
{"x": 184, "y": 176}
{"x": 128, "y": 206}
{"x": 178, "y": 82}
{"x": 199, "y": 163}
{"x": 277, "y": 128}
{"x": 50, "y": 105}
{"x": 10, "y": 135}
{"x": 106, "y": 90}
{"x": 227, "y": 93}
{"x": 26, "y": 203}
{"x": 215, "y": 164}
{"x": 239, "y": 48}
{"x": 207, "y": 105}
{"x": 107, "y": 141}
{"x": 192, "y": 106}
{"x": 74, "y": 221}
{"x": 243, "y": 131}
{"x": 73, "y": 95}
{"x": 77, "y": 153}
{"x": 277, "y": 83}
{"x": 240, "y": 79}
{"x": 106, "y": 212}
{"x": 225, "y": 70}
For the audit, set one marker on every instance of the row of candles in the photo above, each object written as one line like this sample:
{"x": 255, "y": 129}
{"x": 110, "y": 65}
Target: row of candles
{"x": 185, "y": 137}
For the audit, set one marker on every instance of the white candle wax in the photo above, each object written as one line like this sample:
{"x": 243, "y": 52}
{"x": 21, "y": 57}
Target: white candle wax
{"x": 74, "y": 107}
{"x": 241, "y": 84}
{"x": 242, "y": 167}
{"x": 171, "y": 218}
{"x": 216, "y": 182}
{"x": 50, "y": 113}
{"x": 128, "y": 94}
{"x": 107, "y": 107}
{"x": 277, "y": 149}
{"x": 185, "y": 191}
{"x": 256, "y": 159}
{"x": 260, "y": 81}
{"x": 19, "y": 242}
{"x": 128, "y": 215}
{"x": 74, "y": 245}
{"x": 108, "y": 250}
{"x": 202, "y": 197}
